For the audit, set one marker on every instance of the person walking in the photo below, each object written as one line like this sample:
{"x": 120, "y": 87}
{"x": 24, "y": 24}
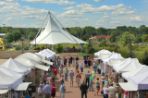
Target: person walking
{"x": 71, "y": 74}
{"x": 105, "y": 91}
{"x": 53, "y": 90}
{"x": 47, "y": 90}
{"x": 97, "y": 86}
{"x": 78, "y": 78}
{"x": 62, "y": 90}
{"x": 83, "y": 88}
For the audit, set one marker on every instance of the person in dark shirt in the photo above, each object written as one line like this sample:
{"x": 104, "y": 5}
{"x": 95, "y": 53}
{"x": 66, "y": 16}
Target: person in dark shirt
{"x": 84, "y": 88}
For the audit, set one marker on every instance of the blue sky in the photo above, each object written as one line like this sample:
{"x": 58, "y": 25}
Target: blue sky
{"x": 74, "y": 13}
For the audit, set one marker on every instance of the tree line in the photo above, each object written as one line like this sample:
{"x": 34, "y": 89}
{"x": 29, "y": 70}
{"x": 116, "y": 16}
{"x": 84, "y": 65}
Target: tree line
{"x": 141, "y": 33}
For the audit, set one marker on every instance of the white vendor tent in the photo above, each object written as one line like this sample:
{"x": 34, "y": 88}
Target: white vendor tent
{"x": 9, "y": 82}
{"x": 128, "y": 86}
{"x": 113, "y": 56}
{"x": 32, "y": 57}
{"x": 15, "y": 66}
{"x": 112, "y": 62}
{"x": 129, "y": 65}
{"x": 55, "y": 34}
{"x": 23, "y": 86}
{"x": 140, "y": 77}
{"x": 31, "y": 63}
{"x": 129, "y": 74}
{"x": 103, "y": 51}
{"x": 25, "y": 61}
{"x": 9, "y": 72}
{"x": 118, "y": 66}
{"x": 4, "y": 91}
{"x": 46, "y": 53}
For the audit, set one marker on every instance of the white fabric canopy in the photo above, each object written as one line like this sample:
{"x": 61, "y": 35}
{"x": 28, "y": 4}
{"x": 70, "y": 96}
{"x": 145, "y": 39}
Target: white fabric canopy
{"x": 9, "y": 72}
{"x": 9, "y": 81}
{"x": 25, "y": 61}
{"x": 129, "y": 74}
{"x": 112, "y": 62}
{"x": 4, "y": 91}
{"x": 46, "y": 53}
{"x": 31, "y": 56}
{"x": 129, "y": 86}
{"x": 15, "y": 66}
{"x": 55, "y": 34}
{"x": 103, "y": 51}
{"x": 42, "y": 67}
{"x": 118, "y": 67}
{"x": 140, "y": 77}
{"x": 47, "y": 62}
{"x": 113, "y": 56}
{"x": 31, "y": 63}
{"x": 23, "y": 86}
{"x": 131, "y": 65}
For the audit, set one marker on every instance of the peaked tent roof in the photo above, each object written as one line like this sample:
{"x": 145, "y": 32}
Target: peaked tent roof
{"x": 15, "y": 66}
{"x": 129, "y": 74}
{"x": 46, "y": 53}
{"x": 55, "y": 34}
{"x": 113, "y": 56}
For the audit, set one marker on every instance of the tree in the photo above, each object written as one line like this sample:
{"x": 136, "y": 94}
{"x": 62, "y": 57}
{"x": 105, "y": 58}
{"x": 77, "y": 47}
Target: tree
{"x": 127, "y": 39}
{"x": 145, "y": 58}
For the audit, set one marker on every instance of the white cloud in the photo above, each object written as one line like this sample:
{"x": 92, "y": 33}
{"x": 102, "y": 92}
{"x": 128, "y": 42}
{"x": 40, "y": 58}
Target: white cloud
{"x": 122, "y": 10}
{"x": 98, "y": 0}
{"x": 14, "y": 14}
{"x": 136, "y": 18}
{"x": 59, "y": 2}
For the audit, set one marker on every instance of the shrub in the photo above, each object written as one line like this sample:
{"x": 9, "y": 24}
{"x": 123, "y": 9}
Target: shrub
{"x": 59, "y": 49}
{"x": 145, "y": 58}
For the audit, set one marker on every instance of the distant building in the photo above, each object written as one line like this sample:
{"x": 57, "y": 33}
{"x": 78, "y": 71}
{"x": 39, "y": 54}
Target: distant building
{"x": 100, "y": 37}
{"x": 96, "y": 40}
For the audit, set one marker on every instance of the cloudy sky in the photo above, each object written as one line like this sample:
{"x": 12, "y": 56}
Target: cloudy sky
{"x": 74, "y": 13}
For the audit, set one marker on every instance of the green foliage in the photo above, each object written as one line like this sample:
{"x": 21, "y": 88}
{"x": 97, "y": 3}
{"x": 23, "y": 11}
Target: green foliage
{"x": 127, "y": 39}
{"x": 59, "y": 48}
{"x": 145, "y": 58}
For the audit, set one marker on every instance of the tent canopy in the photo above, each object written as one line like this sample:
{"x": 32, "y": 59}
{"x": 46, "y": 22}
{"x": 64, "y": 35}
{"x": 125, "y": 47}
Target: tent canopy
{"x": 129, "y": 74}
{"x": 129, "y": 86}
{"x": 114, "y": 61}
{"x": 46, "y": 53}
{"x": 23, "y": 86}
{"x": 140, "y": 77}
{"x": 103, "y": 51}
{"x": 118, "y": 67}
{"x": 15, "y": 66}
{"x": 9, "y": 82}
{"x": 31, "y": 56}
{"x": 129, "y": 66}
{"x": 55, "y": 34}
{"x": 4, "y": 91}
{"x": 25, "y": 61}
{"x": 31, "y": 63}
{"x": 113, "y": 56}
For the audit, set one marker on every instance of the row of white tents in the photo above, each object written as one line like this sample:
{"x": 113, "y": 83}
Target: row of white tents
{"x": 135, "y": 73}
{"x": 12, "y": 71}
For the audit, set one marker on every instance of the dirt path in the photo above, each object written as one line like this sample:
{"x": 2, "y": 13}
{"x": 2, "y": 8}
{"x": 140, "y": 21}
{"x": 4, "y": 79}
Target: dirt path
{"x": 74, "y": 92}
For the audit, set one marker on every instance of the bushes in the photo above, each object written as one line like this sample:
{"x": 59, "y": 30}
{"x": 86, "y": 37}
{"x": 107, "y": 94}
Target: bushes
{"x": 145, "y": 58}
{"x": 59, "y": 48}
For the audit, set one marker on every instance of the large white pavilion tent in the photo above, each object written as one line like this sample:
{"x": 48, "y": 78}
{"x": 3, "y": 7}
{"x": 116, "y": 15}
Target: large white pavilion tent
{"x": 53, "y": 33}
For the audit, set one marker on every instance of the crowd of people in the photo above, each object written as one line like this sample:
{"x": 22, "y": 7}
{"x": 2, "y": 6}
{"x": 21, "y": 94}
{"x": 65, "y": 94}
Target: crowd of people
{"x": 86, "y": 73}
